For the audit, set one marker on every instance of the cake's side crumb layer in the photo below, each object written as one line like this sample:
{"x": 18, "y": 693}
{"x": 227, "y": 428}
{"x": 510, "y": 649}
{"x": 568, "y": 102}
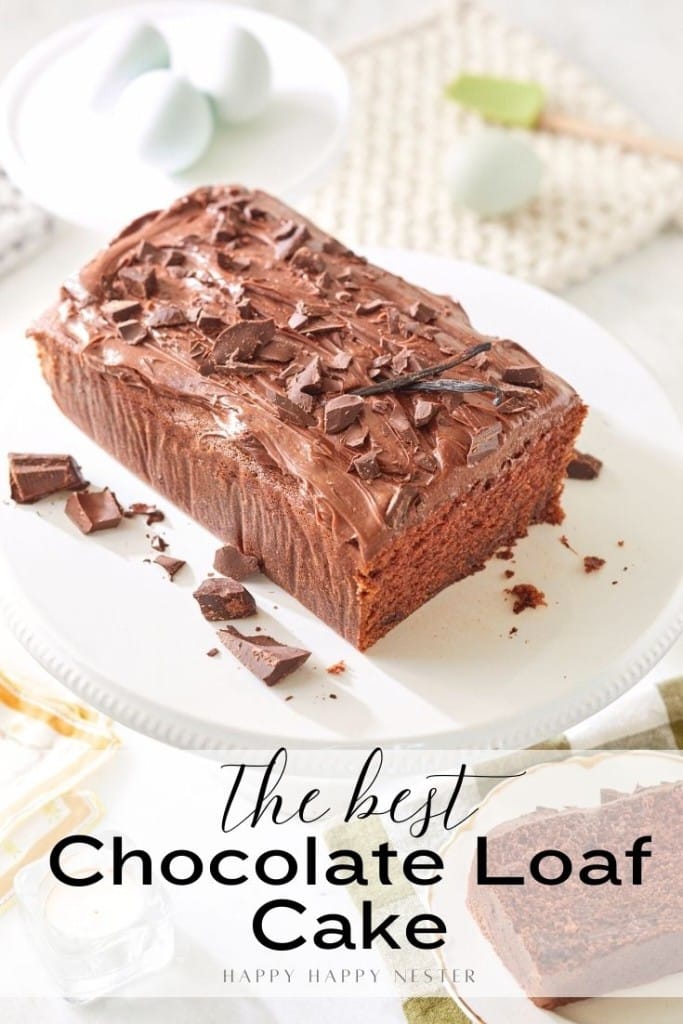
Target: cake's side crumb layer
{"x": 256, "y": 511}
{"x": 458, "y": 538}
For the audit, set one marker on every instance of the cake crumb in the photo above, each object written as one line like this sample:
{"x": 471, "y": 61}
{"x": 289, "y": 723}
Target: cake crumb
{"x": 333, "y": 696}
{"x": 506, "y": 554}
{"x": 289, "y": 696}
{"x": 564, "y": 541}
{"x": 509, "y": 573}
{"x": 212, "y": 653}
{"x": 512, "y": 631}
{"x": 526, "y": 595}
{"x": 620, "y": 543}
{"x": 336, "y": 669}
{"x": 592, "y": 563}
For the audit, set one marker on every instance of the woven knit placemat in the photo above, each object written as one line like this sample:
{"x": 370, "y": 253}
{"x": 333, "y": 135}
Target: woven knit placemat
{"x": 596, "y": 201}
{"x": 22, "y": 226}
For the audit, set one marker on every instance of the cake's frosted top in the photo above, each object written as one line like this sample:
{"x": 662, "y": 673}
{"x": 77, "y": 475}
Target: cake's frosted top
{"x": 233, "y": 302}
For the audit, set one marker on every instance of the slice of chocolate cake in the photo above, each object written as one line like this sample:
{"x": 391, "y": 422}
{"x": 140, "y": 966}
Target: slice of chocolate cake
{"x": 352, "y": 432}
{"x": 592, "y": 935}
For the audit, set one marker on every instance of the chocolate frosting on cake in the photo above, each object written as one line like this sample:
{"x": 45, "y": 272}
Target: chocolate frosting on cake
{"x": 232, "y": 302}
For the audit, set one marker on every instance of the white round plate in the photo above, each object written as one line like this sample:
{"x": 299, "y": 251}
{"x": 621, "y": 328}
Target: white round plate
{"x": 579, "y": 780}
{"x": 133, "y": 644}
{"x": 60, "y": 155}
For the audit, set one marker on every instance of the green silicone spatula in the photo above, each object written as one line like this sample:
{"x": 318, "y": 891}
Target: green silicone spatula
{"x": 522, "y": 105}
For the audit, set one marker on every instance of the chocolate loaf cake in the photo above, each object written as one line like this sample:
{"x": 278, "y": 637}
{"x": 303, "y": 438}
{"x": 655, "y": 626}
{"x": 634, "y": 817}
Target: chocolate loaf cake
{"x": 350, "y": 430}
{"x": 574, "y": 940}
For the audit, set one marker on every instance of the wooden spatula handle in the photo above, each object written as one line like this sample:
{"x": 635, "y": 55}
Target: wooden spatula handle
{"x": 562, "y": 124}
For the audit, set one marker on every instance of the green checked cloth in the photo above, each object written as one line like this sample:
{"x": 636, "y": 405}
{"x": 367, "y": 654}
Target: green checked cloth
{"x": 650, "y": 717}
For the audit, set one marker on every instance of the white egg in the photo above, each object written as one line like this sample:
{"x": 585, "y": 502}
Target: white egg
{"x": 119, "y": 51}
{"x": 162, "y": 118}
{"x": 493, "y": 173}
{"x": 232, "y": 67}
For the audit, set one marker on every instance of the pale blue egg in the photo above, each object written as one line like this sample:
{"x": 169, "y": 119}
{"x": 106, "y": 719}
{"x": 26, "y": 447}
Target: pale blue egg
{"x": 164, "y": 120}
{"x": 119, "y": 51}
{"x": 231, "y": 66}
{"x": 493, "y": 173}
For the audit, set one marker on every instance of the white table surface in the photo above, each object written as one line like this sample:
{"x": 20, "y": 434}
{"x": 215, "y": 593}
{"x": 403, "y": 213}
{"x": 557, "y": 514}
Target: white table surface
{"x": 630, "y": 46}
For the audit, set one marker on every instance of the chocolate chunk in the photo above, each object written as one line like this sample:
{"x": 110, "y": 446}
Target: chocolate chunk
{"x": 235, "y": 264}
{"x": 340, "y": 361}
{"x": 94, "y": 510}
{"x": 291, "y": 411}
{"x": 146, "y": 251}
{"x": 297, "y": 320}
{"x": 366, "y": 466}
{"x": 398, "y": 508}
{"x": 210, "y": 325}
{"x": 309, "y": 380}
{"x": 286, "y": 230}
{"x": 230, "y": 561}
{"x": 242, "y": 340}
{"x": 526, "y": 595}
{"x": 265, "y": 657}
{"x": 166, "y": 316}
{"x": 159, "y": 544}
{"x": 174, "y": 258}
{"x": 119, "y": 310}
{"x": 246, "y": 310}
{"x": 308, "y": 260}
{"x": 592, "y": 563}
{"x": 425, "y": 460}
{"x": 278, "y": 351}
{"x": 484, "y": 441}
{"x": 368, "y": 308}
{"x": 171, "y": 565}
{"x": 133, "y": 332}
{"x": 322, "y": 327}
{"x": 424, "y": 412}
{"x": 142, "y": 281}
{"x": 286, "y": 247}
{"x": 223, "y": 598}
{"x": 421, "y": 312}
{"x": 399, "y": 362}
{"x": 583, "y": 466}
{"x": 524, "y": 376}
{"x": 212, "y": 652}
{"x": 33, "y": 477}
{"x": 341, "y": 412}
{"x": 514, "y": 401}
{"x": 324, "y": 281}
{"x": 356, "y": 435}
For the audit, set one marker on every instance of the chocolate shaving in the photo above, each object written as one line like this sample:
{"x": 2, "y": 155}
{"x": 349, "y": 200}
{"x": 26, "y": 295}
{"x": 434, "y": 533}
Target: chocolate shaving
{"x": 286, "y": 247}
{"x": 341, "y": 412}
{"x": 398, "y": 508}
{"x": 368, "y": 308}
{"x": 290, "y": 411}
{"x": 484, "y": 441}
{"x": 265, "y": 657}
{"x": 242, "y": 340}
{"x": 309, "y": 380}
{"x": 308, "y": 260}
{"x": 210, "y": 325}
{"x": 424, "y": 412}
{"x": 340, "y": 361}
{"x": 278, "y": 351}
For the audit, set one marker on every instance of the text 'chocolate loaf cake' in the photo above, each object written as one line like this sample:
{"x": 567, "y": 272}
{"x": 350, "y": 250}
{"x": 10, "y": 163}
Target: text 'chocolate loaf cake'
{"x": 217, "y": 349}
{"x": 579, "y": 939}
